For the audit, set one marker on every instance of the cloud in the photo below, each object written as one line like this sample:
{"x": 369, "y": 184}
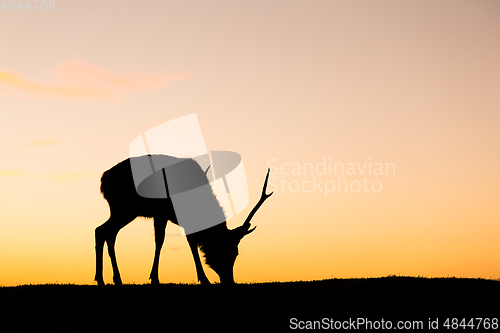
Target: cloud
{"x": 6, "y": 173}
{"x": 66, "y": 176}
{"x": 79, "y": 80}
{"x": 43, "y": 142}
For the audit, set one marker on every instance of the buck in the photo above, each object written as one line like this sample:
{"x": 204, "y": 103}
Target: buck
{"x": 218, "y": 244}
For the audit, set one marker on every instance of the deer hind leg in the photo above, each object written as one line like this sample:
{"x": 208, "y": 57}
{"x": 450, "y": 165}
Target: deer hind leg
{"x": 99, "y": 247}
{"x": 202, "y": 278}
{"x": 160, "y": 225}
{"x": 106, "y": 233}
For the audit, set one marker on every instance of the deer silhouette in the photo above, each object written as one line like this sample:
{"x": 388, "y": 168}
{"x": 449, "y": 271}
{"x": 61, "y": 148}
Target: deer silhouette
{"x": 218, "y": 244}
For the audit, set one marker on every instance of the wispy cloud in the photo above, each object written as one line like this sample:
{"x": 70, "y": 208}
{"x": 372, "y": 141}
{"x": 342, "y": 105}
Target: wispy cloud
{"x": 6, "y": 173}
{"x": 42, "y": 142}
{"x": 68, "y": 176}
{"x": 65, "y": 176}
{"x": 79, "y": 80}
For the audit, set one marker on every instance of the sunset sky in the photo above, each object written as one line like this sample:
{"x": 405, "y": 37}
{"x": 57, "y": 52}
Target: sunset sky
{"x": 404, "y": 95}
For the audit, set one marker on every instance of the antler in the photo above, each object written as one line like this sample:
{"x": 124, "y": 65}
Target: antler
{"x": 245, "y": 228}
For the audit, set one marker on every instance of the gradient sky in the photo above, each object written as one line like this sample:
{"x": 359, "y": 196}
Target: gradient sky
{"x": 413, "y": 83}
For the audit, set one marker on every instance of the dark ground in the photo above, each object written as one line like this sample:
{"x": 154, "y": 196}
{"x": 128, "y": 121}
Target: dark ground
{"x": 264, "y": 307}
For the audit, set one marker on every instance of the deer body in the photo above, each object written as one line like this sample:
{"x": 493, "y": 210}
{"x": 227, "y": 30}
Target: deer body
{"x": 218, "y": 243}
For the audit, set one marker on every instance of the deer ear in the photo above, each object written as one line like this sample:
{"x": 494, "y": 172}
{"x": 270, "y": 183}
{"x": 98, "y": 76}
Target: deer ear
{"x": 241, "y": 232}
{"x": 249, "y": 231}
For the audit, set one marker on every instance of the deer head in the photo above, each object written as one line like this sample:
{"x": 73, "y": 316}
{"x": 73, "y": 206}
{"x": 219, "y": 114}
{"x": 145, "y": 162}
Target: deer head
{"x": 221, "y": 253}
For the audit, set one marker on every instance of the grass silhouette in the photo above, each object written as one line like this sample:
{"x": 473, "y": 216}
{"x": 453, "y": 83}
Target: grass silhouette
{"x": 244, "y": 307}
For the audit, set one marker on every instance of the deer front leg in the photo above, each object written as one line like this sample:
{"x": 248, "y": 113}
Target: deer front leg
{"x": 202, "y": 278}
{"x": 160, "y": 226}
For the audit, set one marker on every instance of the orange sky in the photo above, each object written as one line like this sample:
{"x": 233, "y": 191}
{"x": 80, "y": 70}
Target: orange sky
{"x": 413, "y": 83}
